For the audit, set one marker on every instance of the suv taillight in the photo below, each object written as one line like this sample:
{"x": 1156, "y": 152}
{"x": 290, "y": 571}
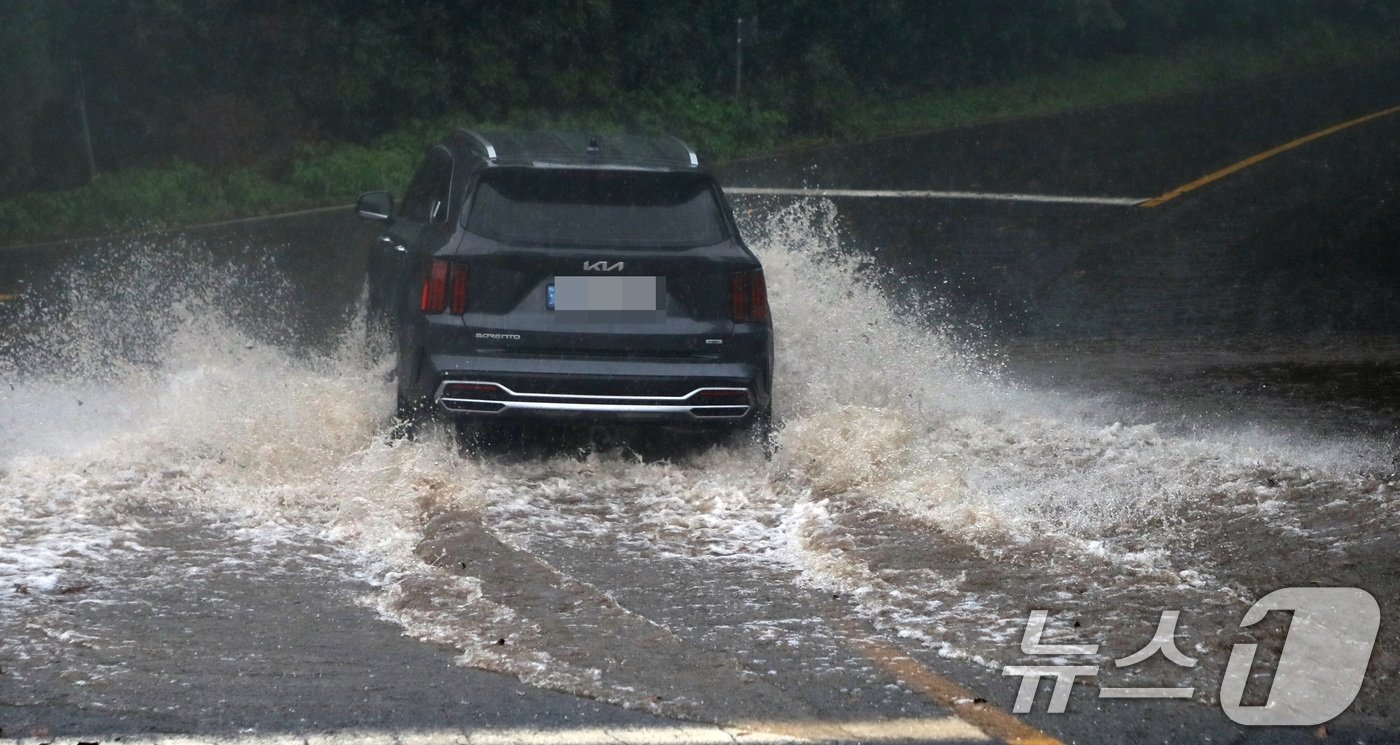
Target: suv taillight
{"x": 444, "y": 288}
{"x": 748, "y": 296}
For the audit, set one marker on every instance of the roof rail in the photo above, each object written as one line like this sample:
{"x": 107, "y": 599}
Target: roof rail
{"x": 485, "y": 144}
{"x": 694, "y": 159}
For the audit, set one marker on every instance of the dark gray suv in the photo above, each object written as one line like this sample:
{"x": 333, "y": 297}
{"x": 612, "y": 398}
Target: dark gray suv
{"x": 574, "y": 276}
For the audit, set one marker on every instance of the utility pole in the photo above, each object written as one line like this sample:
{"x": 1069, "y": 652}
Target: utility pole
{"x": 739, "y": 60}
{"x": 83, "y": 120}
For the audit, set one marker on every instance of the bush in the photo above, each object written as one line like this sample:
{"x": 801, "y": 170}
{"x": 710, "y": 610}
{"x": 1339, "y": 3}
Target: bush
{"x": 145, "y": 198}
{"x": 329, "y": 172}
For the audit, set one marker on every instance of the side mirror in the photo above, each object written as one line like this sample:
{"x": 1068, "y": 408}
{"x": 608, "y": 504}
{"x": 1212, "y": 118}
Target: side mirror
{"x": 375, "y": 205}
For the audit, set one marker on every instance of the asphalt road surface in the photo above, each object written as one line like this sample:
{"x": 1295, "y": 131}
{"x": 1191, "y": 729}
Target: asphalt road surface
{"x": 990, "y": 405}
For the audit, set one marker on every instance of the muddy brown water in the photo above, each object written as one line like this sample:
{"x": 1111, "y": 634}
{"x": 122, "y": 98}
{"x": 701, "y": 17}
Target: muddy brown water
{"x": 934, "y": 484}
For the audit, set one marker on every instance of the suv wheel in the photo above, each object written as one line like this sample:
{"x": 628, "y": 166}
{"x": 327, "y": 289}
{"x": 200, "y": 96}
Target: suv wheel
{"x": 409, "y": 418}
{"x": 472, "y": 434}
{"x": 760, "y": 431}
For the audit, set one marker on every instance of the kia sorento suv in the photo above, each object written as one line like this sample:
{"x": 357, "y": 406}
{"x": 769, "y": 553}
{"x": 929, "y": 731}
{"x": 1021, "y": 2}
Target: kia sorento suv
{"x": 563, "y": 276}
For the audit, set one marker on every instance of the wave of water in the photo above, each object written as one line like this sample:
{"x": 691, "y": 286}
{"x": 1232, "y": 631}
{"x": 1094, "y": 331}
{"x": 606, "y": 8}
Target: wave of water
{"x": 942, "y": 500}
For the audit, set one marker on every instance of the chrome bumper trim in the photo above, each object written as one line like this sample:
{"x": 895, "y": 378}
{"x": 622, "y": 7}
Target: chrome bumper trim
{"x": 508, "y": 400}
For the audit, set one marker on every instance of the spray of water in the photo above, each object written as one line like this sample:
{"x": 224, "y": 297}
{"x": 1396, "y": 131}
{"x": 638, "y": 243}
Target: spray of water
{"x": 944, "y": 499}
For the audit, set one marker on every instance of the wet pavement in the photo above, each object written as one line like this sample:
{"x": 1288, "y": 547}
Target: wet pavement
{"x": 986, "y": 409}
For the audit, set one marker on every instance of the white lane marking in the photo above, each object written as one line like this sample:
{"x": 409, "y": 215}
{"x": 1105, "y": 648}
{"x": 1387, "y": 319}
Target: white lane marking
{"x": 1146, "y": 692}
{"x": 979, "y": 195}
{"x": 611, "y": 736}
{"x": 749, "y": 733}
{"x": 886, "y": 730}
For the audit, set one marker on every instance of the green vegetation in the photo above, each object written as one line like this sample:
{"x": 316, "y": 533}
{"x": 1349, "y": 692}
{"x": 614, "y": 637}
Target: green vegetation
{"x": 313, "y": 115}
{"x": 1131, "y": 78}
{"x": 141, "y": 198}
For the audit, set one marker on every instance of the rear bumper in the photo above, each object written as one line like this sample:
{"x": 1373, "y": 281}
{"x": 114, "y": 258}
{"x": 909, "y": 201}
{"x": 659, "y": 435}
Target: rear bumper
{"x": 678, "y": 392}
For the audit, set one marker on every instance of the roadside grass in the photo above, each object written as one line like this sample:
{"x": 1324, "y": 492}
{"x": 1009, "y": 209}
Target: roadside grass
{"x": 328, "y": 173}
{"x": 1128, "y": 79}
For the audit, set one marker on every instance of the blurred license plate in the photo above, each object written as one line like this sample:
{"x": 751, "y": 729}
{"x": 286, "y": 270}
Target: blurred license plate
{"x": 607, "y": 293}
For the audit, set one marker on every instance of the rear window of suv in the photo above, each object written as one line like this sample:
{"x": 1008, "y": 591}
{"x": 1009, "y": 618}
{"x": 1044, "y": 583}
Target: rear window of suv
{"x": 557, "y": 207}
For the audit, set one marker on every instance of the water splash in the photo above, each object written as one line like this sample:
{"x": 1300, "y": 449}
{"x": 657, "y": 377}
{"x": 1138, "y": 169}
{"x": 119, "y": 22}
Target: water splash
{"x": 912, "y": 475}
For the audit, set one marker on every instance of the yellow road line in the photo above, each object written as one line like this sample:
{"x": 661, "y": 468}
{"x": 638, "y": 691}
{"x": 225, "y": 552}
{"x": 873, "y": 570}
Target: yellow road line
{"x": 5, "y": 298}
{"x": 1247, "y": 162}
{"x": 961, "y": 702}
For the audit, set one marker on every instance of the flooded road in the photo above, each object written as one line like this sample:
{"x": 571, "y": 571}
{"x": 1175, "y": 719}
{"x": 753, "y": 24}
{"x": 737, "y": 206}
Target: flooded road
{"x": 196, "y": 487}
